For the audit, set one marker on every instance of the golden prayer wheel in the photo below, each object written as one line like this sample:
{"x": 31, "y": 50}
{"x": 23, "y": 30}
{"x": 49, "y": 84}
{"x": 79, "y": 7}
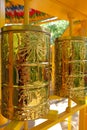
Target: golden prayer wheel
{"x": 71, "y": 67}
{"x": 25, "y": 72}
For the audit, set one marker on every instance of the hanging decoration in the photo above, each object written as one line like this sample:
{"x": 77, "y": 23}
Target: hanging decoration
{"x": 15, "y": 13}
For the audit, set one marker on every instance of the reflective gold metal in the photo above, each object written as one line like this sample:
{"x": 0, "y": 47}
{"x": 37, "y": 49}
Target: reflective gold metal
{"x": 71, "y": 67}
{"x": 25, "y": 72}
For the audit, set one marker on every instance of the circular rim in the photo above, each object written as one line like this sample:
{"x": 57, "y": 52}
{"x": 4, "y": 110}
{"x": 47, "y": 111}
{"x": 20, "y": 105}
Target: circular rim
{"x": 73, "y": 38}
{"x": 25, "y": 28}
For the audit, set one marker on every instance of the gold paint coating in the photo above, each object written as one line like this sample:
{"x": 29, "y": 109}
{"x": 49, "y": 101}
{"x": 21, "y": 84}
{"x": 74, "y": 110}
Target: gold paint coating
{"x": 25, "y": 72}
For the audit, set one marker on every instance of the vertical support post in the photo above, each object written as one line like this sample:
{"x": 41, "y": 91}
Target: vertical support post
{"x": 2, "y": 13}
{"x": 2, "y": 22}
{"x": 69, "y": 100}
{"x": 26, "y": 11}
{"x": 84, "y": 28}
{"x": 83, "y": 118}
{"x": 70, "y": 24}
{"x": 0, "y": 70}
{"x": 53, "y": 68}
{"x": 83, "y": 112}
{"x": 26, "y": 22}
{"x": 70, "y": 117}
{"x": 25, "y": 125}
{"x": 10, "y": 69}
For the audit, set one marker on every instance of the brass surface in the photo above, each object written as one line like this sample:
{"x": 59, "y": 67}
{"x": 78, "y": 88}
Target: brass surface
{"x": 71, "y": 67}
{"x": 25, "y": 72}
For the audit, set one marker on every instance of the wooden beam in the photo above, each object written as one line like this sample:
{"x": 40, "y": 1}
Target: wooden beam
{"x": 55, "y": 8}
{"x": 14, "y": 125}
{"x": 52, "y": 119}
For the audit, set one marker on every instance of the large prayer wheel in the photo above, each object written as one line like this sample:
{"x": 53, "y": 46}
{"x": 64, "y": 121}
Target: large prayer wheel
{"x": 25, "y": 72}
{"x": 71, "y": 67}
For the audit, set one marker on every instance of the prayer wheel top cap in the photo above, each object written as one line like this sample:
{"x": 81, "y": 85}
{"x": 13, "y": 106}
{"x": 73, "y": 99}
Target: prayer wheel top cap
{"x": 25, "y": 28}
{"x": 73, "y": 38}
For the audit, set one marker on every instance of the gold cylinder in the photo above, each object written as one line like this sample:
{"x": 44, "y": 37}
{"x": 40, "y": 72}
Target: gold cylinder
{"x": 25, "y": 72}
{"x": 71, "y": 67}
